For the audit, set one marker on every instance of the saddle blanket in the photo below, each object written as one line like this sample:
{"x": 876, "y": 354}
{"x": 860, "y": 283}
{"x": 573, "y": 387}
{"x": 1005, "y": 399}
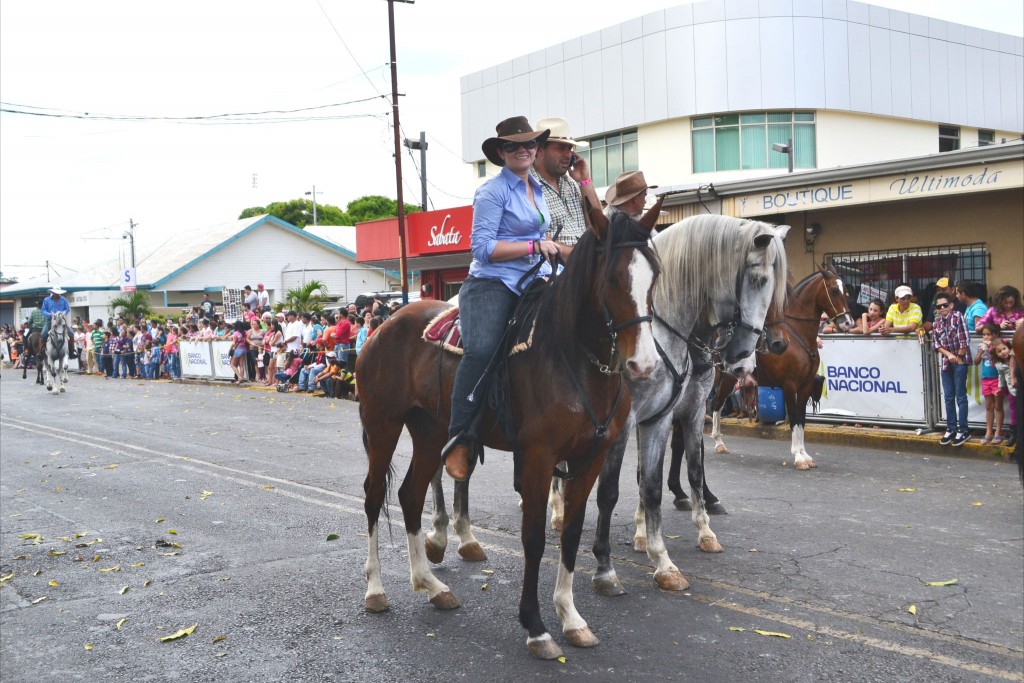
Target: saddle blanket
{"x": 444, "y": 330}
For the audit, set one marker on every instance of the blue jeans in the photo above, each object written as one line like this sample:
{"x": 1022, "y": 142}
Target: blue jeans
{"x": 484, "y": 309}
{"x": 307, "y": 374}
{"x": 954, "y": 393}
{"x": 173, "y": 368}
{"x": 121, "y": 365}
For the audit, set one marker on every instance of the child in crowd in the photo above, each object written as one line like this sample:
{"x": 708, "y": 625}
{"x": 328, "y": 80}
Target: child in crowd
{"x": 1004, "y": 362}
{"x": 145, "y": 360}
{"x": 155, "y": 356}
{"x": 950, "y": 341}
{"x": 292, "y": 364}
{"x": 990, "y": 383}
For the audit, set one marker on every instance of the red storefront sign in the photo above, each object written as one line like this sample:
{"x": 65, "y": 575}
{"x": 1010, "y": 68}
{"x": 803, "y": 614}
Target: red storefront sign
{"x": 447, "y": 231}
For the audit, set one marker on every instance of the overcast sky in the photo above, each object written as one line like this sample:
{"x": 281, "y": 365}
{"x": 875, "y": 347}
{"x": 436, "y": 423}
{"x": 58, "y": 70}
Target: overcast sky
{"x": 66, "y": 176}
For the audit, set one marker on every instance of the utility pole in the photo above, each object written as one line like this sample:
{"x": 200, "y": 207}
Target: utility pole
{"x": 421, "y": 145}
{"x": 130, "y": 236}
{"x": 314, "y": 203}
{"x": 402, "y": 265}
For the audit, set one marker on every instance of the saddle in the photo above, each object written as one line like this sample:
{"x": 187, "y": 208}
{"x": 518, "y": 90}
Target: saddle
{"x": 444, "y": 331}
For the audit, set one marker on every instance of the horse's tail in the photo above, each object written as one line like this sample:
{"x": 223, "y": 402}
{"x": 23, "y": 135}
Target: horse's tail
{"x": 816, "y": 391}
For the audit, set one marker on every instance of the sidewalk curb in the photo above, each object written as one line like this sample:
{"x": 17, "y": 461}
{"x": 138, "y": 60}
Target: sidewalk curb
{"x": 898, "y": 441}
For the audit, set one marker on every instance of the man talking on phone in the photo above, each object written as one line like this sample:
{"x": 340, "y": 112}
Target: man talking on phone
{"x": 565, "y": 179}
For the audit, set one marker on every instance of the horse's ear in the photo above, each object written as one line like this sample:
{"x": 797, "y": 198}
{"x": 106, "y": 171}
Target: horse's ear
{"x": 598, "y": 221}
{"x": 650, "y": 219}
{"x": 781, "y": 231}
{"x": 763, "y": 240}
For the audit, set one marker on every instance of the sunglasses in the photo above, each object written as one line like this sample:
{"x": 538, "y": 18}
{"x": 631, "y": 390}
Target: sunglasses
{"x": 941, "y": 306}
{"x": 509, "y": 146}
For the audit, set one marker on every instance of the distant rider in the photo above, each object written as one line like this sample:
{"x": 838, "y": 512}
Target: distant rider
{"x": 56, "y": 303}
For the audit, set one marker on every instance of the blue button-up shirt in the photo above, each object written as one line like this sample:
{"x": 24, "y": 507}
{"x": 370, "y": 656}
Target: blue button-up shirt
{"x": 50, "y": 306}
{"x": 503, "y": 212}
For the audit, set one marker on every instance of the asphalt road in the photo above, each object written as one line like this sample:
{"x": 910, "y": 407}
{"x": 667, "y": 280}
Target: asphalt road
{"x": 254, "y": 484}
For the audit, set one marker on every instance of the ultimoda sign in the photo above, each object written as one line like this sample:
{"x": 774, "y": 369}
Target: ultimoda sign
{"x": 962, "y": 180}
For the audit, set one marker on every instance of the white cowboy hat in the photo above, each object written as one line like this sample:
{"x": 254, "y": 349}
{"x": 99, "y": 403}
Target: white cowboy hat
{"x": 58, "y": 290}
{"x": 560, "y": 132}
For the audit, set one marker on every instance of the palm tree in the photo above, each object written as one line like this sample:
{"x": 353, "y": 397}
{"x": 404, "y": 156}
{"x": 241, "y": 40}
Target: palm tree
{"x": 132, "y": 306}
{"x": 308, "y": 298}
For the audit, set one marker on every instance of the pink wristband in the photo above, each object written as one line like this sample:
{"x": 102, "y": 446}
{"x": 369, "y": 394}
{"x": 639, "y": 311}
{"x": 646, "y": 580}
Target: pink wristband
{"x": 531, "y": 248}
{"x": 584, "y": 183}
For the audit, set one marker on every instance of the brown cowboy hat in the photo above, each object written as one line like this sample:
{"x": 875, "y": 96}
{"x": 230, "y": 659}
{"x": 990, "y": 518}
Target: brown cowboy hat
{"x": 515, "y": 129}
{"x": 627, "y": 186}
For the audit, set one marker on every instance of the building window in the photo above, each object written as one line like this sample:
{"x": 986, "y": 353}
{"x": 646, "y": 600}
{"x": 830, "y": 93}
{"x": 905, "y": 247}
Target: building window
{"x": 730, "y": 142}
{"x": 611, "y": 155}
{"x": 986, "y": 138}
{"x": 869, "y": 273}
{"x": 949, "y": 138}
{"x": 481, "y": 169}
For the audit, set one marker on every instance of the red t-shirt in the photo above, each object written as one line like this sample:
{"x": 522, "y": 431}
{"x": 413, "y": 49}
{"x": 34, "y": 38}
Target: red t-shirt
{"x": 343, "y": 331}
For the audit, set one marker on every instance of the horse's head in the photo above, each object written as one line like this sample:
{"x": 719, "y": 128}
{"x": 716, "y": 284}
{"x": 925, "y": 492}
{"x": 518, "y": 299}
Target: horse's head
{"x": 832, "y": 299}
{"x": 57, "y": 321}
{"x": 624, "y": 285}
{"x": 760, "y": 287}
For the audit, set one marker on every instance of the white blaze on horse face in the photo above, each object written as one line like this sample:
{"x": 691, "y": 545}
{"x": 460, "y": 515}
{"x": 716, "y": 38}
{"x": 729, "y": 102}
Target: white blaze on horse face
{"x": 641, "y": 279}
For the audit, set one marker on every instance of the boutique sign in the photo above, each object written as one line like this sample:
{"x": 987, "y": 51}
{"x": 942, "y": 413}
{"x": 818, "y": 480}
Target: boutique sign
{"x": 932, "y": 183}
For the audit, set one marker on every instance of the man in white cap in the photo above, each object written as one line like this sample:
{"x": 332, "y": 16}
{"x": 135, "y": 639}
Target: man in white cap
{"x": 56, "y": 303}
{"x": 565, "y": 180}
{"x": 904, "y": 316}
{"x": 629, "y": 193}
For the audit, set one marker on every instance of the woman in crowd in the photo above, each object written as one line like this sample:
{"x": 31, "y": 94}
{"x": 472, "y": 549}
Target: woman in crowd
{"x": 871, "y": 320}
{"x": 173, "y": 362}
{"x": 510, "y": 220}
{"x": 255, "y": 337}
{"x": 272, "y": 340}
{"x": 239, "y": 351}
{"x": 990, "y": 382}
{"x": 1006, "y": 310}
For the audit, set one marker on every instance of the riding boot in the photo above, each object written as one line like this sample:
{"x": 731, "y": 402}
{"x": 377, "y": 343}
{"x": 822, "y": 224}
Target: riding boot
{"x": 455, "y": 456}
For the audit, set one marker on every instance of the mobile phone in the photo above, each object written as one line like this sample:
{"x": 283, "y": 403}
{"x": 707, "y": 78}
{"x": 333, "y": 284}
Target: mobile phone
{"x": 572, "y": 162}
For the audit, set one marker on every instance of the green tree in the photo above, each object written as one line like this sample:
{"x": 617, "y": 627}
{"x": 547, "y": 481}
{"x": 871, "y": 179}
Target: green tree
{"x": 299, "y": 212}
{"x": 372, "y": 207}
{"x": 309, "y": 298}
{"x": 131, "y": 306}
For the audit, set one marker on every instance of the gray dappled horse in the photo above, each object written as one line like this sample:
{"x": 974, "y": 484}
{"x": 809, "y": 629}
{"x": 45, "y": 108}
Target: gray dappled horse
{"x": 55, "y": 355}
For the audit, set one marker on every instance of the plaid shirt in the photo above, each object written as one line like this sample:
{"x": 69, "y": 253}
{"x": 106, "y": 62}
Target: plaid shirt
{"x": 566, "y": 208}
{"x": 950, "y": 333}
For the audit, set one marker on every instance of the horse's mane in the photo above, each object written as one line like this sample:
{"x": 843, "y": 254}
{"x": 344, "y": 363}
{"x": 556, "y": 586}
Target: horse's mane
{"x": 564, "y": 302}
{"x": 701, "y": 254}
{"x": 807, "y": 278}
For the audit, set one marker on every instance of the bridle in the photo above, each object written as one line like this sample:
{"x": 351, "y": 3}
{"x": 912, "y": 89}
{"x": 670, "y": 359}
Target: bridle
{"x": 831, "y": 303}
{"x": 723, "y": 332}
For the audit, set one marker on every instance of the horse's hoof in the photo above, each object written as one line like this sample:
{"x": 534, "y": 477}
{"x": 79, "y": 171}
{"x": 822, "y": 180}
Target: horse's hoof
{"x": 721, "y": 448}
{"x": 716, "y": 508}
{"x": 445, "y": 600}
{"x": 801, "y": 465}
{"x": 682, "y": 504}
{"x": 640, "y": 544}
{"x": 435, "y": 553}
{"x": 472, "y": 552}
{"x": 581, "y": 637}
{"x": 812, "y": 464}
{"x": 608, "y": 586}
{"x": 672, "y": 580}
{"x": 377, "y": 603}
{"x": 544, "y": 647}
{"x": 710, "y": 544}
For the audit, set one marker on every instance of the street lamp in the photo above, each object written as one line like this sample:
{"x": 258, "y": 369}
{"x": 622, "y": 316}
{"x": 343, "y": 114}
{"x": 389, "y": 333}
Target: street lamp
{"x": 786, "y": 149}
{"x": 421, "y": 145}
{"x": 314, "y": 203}
{"x": 402, "y": 265}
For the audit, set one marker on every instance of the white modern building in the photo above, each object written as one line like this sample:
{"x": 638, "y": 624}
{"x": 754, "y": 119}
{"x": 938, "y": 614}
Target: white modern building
{"x": 697, "y": 95}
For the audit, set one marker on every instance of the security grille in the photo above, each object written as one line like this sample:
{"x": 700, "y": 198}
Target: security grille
{"x": 866, "y": 273}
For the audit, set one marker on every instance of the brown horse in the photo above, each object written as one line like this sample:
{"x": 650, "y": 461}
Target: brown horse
{"x": 566, "y": 396}
{"x": 34, "y": 347}
{"x": 796, "y": 369}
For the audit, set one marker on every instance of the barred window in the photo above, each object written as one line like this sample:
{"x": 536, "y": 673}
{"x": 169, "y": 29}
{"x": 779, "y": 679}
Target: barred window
{"x": 610, "y": 155}
{"x": 920, "y": 267}
{"x": 728, "y": 142}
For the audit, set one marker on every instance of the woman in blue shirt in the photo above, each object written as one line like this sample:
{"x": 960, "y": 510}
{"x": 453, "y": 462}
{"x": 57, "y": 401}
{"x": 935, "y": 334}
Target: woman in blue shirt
{"x": 510, "y": 220}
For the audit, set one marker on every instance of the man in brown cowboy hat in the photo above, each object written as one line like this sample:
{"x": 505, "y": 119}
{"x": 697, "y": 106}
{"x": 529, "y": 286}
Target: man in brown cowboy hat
{"x": 629, "y": 193}
{"x": 565, "y": 179}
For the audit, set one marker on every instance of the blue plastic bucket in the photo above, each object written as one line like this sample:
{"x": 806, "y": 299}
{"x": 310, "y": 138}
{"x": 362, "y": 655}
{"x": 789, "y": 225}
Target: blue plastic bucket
{"x": 771, "y": 407}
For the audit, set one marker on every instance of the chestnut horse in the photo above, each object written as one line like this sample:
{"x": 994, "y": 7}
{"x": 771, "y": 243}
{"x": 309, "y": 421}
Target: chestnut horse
{"x": 566, "y": 396}
{"x": 795, "y": 370}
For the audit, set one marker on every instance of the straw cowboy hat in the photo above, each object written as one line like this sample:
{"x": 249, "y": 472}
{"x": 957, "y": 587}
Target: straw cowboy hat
{"x": 58, "y": 290}
{"x": 560, "y": 132}
{"x": 627, "y": 186}
{"x": 515, "y": 129}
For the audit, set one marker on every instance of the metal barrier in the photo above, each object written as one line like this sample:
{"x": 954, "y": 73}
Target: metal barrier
{"x": 890, "y": 381}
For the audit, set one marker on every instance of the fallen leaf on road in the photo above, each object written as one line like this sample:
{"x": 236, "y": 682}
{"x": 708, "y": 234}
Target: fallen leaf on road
{"x": 951, "y": 582}
{"x": 124, "y": 590}
{"x": 146, "y": 583}
{"x": 88, "y": 646}
{"x": 111, "y": 467}
{"x": 773, "y": 634}
{"x": 35, "y": 538}
{"x": 119, "y": 624}
{"x": 54, "y": 584}
{"x": 737, "y": 628}
{"x": 977, "y": 505}
{"x": 673, "y": 537}
{"x": 268, "y": 487}
{"x": 219, "y": 638}
{"x": 173, "y": 532}
{"x": 487, "y": 571}
{"x": 906, "y": 490}
{"x": 138, "y": 564}
{"x": 21, "y": 557}
{"x": 115, "y": 568}
{"x": 333, "y": 537}
{"x": 912, "y": 609}
{"x": 561, "y": 660}
{"x": 38, "y": 600}
{"x": 183, "y": 633}
{"x": 483, "y": 587}
{"x": 5, "y": 578}
{"x": 159, "y": 520}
